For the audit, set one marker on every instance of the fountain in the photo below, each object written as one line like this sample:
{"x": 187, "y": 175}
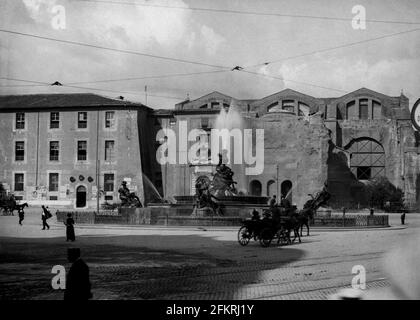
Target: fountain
{"x": 217, "y": 200}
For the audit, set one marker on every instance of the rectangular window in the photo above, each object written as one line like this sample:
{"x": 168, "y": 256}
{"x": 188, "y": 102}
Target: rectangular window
{"x": 20, "y": 120}
{"x": 54, "y": 120}
{"x": 339, "y": 114}
{"x": 363, "y": 173}
{"x": 288, "y": 105}
{"x": 54, "y": 150}
{"x": 53, "y": 182}
{"x": 363, "y": 109}
{"x": 82, "y": 120}
{"x": 81, "y": 150}
{"x": 109, "y": 119}
{"x": 20, "y": 151}
{"x": 19, "y": 181}
{"x": 108, "y": 182}
{"x": 109, "y": 150}
{"x": 204, "y": 123}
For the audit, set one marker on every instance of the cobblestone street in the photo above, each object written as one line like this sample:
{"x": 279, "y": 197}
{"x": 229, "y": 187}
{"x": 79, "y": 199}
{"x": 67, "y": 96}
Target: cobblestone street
{"x": 145, "y": 262}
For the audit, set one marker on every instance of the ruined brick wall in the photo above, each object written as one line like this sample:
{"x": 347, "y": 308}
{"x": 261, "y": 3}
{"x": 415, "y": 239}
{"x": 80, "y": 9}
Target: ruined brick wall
{"x": 295, "y": 150}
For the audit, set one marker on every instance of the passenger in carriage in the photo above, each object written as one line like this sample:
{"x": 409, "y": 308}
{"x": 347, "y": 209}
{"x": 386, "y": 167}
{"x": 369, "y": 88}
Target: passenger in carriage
{"x": 255, "y": 215}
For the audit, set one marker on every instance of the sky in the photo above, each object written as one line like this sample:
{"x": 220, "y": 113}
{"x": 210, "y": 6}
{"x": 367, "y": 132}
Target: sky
{"x": 150, "y": 39}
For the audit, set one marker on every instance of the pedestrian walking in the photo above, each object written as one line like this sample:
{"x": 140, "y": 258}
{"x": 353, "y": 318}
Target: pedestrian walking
{"x": 45, "y": 215}
{"x": 78, "y": 286}
{"x": 70, "y": 228}
{"x": 403, "y": 218}
{"x": 21, "y": 215}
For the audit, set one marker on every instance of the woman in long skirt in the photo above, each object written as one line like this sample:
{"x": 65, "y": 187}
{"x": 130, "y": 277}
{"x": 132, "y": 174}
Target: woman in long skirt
{"x": 70, "y": 228}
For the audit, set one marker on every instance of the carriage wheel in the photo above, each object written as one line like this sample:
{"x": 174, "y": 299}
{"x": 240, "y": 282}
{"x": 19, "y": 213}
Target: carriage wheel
{"x": 266, "y": 236}
{"x": 283, "y": 239}
{"x": 244, "y": 235}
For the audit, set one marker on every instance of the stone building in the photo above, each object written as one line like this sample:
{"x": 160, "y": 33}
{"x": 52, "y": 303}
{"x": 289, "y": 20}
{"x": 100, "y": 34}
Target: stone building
{"x": 54, "y": 149}
{"x": 343, "y": 141}
{"x": 60, "y": 149}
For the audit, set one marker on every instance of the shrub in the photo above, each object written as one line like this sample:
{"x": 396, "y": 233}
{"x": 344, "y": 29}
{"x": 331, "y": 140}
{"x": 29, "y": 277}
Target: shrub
{"x": 384, "y": 195}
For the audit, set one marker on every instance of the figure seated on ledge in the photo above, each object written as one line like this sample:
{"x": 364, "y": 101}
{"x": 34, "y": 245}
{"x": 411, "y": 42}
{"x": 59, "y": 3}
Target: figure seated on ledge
{"x": 128, "y": 199}
{"x": 203, "y": 196}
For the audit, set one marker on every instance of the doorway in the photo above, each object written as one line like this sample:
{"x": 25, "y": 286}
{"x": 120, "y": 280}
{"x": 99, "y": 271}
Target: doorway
{"x": 80, "y": 197}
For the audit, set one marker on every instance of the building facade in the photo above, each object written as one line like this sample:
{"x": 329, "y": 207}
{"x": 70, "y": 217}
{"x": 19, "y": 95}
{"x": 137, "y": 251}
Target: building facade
{"x": 342, "y": 141}
{"x": 66, "y": 149}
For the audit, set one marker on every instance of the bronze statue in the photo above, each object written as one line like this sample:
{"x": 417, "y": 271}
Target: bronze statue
{"x": 222, "y": 185}
{"x": 128, "y": 199}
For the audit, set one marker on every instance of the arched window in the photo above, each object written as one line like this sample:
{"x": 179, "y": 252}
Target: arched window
{"x": 367, "y": 158}
{"x": 274, "y": 107}
{"x": 255, "y": 188}
{"x": 271, "y": 188}
{"x": 286, "y": 189}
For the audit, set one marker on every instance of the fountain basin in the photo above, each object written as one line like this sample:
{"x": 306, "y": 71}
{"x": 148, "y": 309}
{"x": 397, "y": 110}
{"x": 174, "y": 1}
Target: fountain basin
{"x": 234, "y": 208}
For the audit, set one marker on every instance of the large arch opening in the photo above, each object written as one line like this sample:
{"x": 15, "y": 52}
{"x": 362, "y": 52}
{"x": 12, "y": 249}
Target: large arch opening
{"x": 367, "y": 158}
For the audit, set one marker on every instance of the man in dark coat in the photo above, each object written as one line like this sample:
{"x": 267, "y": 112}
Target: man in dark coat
{"x": 70, "y": 228}
{"x": 45, "y": 215}
{"x": 273, "y": 201}
{"x": 21, "y": 215}
{"x": 77, "y": 282}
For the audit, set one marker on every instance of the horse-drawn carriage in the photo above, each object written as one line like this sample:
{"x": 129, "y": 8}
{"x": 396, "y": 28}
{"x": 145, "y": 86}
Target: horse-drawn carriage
{"x": 279, "y": 222}
{"x": 267, "y": 229}
{"x": 8, "y": 204}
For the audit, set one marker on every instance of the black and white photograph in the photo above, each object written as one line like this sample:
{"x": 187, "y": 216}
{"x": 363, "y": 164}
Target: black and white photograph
{"x": 210, "y": 155}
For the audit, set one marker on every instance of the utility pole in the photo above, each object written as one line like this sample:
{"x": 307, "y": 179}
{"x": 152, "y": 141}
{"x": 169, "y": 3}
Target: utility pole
{"x": 97, "y": 162}
{"x": 145, "y": 93}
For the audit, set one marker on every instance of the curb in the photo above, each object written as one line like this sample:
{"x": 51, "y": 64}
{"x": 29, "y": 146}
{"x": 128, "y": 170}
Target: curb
{"x": 210, "y": 228}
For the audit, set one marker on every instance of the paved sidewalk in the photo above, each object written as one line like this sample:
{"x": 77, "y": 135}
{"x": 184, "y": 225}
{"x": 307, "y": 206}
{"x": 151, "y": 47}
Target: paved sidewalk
{"x": 129, "y": 262}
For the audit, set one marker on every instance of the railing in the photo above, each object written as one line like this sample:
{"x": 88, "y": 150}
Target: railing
{"x": 351, "y": 221}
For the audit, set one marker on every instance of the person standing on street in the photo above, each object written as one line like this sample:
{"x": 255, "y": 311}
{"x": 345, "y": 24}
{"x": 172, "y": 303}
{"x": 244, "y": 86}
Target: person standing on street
{"x": 273, "y": 202}
{"x": 403, "y": 218}
{"x": 45, "y": 215}
{"x": 70, "y": 228}
{"x": 78, "y": 285}
{"x": 21, "y": 215}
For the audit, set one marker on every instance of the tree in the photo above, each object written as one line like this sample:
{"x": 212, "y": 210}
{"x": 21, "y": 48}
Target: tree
{"x": 381, "y": 192}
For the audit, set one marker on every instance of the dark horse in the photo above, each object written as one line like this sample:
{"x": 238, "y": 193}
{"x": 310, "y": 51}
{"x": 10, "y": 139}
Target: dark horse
{"x": 305, "y": 215}
{"x": 19, "y": 207}
{"x": 10, "y": 205}
{"x": 285, "y": 221}
{"x": 310, "y": 207}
